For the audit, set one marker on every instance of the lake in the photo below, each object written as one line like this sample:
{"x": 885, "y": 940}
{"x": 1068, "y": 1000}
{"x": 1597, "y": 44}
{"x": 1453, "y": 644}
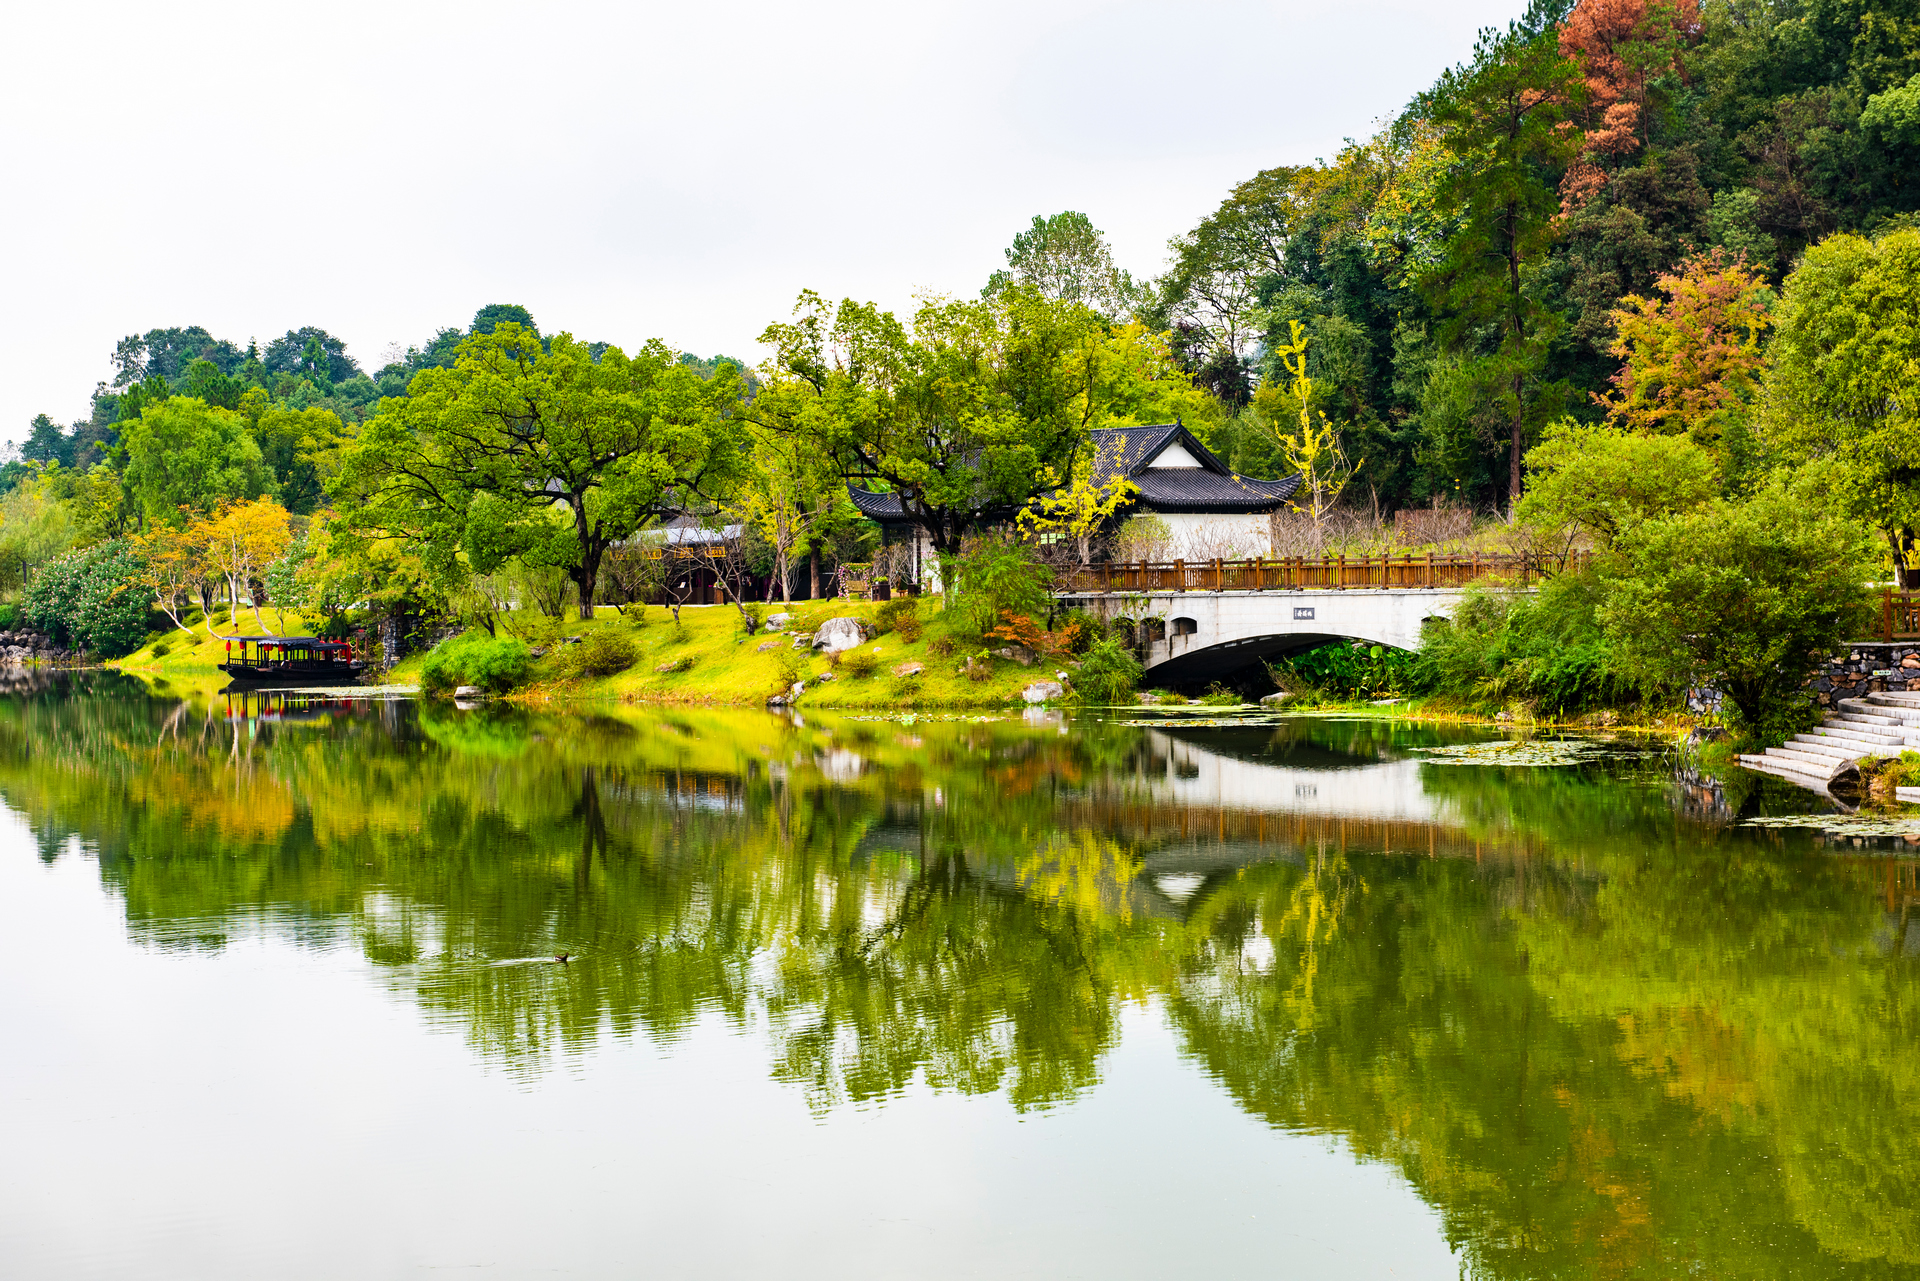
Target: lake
{"x": 932, "y": 996}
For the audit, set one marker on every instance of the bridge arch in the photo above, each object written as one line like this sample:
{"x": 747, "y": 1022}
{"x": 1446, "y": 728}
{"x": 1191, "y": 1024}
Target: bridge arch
{"x": 1203, "y": 634}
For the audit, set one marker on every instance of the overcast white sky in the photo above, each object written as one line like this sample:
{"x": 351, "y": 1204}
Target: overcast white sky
{"x": 627, "y": 171}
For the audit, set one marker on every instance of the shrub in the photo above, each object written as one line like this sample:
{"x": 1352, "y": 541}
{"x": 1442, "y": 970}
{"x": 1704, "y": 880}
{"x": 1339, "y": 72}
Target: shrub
{"x": 1219, "y": 695}
{"x": 940, "y": 647}
{"x": 683, "y": 663}
{"x": 859, "y": 663}
{"x": 91, "y": 599}
{"x": 161, "y": 649}
{"x": 786, "y": 665}
{"x": 1108, "y": 674}
{"x": 898, "y": 614}
{"x": 1548, "y": 649}
{"x": 601, "y": 653}
{"x": 495, "y": 663}
{"x": 9, "y": 616}
{"x": 994, "y": 577}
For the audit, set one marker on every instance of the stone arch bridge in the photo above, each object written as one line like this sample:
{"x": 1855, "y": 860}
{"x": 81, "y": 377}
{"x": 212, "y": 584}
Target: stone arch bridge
{"x": 1197, "y": 621}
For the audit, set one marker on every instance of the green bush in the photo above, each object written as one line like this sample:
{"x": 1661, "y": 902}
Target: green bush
{"x": 1108, "y": 674}
{"x": 1547, "y": 648}
{"x": 494, "y": 663}
{"x": 601, "y": 653}
{"x": 91, "y": 599}
{"x": 858, "y": 663}
{"x": 161, "y": 649}
{"x": 9, "y": 615}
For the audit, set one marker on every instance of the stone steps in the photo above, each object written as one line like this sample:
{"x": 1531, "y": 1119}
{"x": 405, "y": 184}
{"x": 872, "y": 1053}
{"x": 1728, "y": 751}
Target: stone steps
{"x": 1854, "y": 735}
{"x": 1780, "y": 768}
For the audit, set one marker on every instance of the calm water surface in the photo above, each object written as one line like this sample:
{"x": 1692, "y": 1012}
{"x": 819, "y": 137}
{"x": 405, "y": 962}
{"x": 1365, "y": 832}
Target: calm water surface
{"x": 935, "y": 997}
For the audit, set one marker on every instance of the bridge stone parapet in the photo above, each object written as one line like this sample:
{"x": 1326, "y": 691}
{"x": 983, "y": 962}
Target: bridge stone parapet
{"x": 1198, "y": 635}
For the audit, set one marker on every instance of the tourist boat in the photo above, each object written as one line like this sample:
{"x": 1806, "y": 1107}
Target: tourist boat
{"x": 290, "y": 660}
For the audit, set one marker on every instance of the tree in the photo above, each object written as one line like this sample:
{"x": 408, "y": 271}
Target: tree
{"x": 1605, "y": 481}
{"x": 1693, "y": 360}
{"x": 308, "y": 352}
{"x": 1066, "y": 259}
{"x": 173, "y": 560}
{"x": 239, "y": 542}
{"x": 1840, "y": 392}
{"x": 493, "y": 314}
{"x": 1314, "y": 452}
{"x": 468, "y": 464}
{"x": 91, "y": 599}
{"x": 183, "y": 453}
{"x": 1746, "y": 596}
{"x": 1624, "y": 48}
{"x": 46, "y": 443}
{"x": 1502, "y": 119}
{"x": 974, "y": 412}
{"x": 300, "y": 445}
{"x": 788, "y": 491}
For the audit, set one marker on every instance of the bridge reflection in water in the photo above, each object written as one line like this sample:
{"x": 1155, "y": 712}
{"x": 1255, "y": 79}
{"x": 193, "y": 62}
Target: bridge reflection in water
{"x": 1596, "y": 1025}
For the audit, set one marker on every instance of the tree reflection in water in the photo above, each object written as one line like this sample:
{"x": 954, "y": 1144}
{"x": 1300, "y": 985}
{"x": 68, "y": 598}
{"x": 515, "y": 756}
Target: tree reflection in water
{"x": 1602, "y": 1030}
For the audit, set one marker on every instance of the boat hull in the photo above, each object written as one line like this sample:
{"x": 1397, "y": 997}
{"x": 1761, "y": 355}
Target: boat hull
{"x": 293, "y": 676}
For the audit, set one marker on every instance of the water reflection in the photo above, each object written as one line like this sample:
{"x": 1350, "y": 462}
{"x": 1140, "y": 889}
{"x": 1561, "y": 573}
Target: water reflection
{"x": 1597, "y": 1025}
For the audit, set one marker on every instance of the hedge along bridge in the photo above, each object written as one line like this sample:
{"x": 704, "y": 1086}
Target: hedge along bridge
{"x": 1204, "y": 618}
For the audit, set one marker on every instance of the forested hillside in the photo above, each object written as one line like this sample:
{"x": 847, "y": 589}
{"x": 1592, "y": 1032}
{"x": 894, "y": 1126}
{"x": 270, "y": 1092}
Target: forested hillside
{"x": 1458, "y": 273}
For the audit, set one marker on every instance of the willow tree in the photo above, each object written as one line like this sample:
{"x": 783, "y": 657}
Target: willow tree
{"x": 538, "y": 451}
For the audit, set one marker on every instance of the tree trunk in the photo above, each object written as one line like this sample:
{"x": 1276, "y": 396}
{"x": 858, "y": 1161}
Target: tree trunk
{"x": 586, "y": 575}
{"x": 1513, "y": 457}
{"x": 813, "y": 563}
{"x": 1905, "y": 572}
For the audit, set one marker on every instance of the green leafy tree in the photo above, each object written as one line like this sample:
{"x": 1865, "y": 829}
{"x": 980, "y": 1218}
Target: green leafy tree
{"x": 184, "y": 453}
{"x": 46, "y": 442}
{"x": 1503, "y": 120}
{"x": 1066, "y": 258}
{"x": 970, "y": 414}
{"x": 1840, "y": 393}
{"x": 1747, "y": 597}
{"x": 545, "y": 454}
{"x": 1601, "y": 480}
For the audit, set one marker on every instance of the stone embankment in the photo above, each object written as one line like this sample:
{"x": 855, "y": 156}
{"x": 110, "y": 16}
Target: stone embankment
{"x": 18, "y": 648}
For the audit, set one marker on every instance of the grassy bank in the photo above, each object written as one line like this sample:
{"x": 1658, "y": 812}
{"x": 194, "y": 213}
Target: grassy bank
{"x": 710, "y": 660}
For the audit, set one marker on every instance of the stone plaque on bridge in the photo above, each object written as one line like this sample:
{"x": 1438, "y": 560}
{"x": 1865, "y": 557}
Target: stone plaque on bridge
{"x": 1302, "y": 611}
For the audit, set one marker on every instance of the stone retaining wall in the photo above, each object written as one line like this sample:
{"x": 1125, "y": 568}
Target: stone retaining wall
{"x": 1868, "y": 667}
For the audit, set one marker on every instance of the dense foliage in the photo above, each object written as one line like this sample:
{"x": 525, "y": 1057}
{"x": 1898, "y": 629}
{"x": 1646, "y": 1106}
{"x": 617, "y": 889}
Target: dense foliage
{"x": 494, "y": 663}
{"x": 88, "y": 599}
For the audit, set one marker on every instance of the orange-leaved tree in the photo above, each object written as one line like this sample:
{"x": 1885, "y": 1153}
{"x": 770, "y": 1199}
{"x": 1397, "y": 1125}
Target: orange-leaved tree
{"x": 1693, "y": 357}
{"x": 173, "y": 561}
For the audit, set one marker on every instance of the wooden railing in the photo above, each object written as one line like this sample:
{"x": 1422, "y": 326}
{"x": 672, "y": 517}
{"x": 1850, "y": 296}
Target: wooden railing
{"x": 1899, "y": 615}
{"x": 1312, "y": 573}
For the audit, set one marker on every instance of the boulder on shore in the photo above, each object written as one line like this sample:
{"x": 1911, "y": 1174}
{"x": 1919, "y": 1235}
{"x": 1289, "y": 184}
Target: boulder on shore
{"x": 837, "y": 634}
{"x": 1044, "y": 692}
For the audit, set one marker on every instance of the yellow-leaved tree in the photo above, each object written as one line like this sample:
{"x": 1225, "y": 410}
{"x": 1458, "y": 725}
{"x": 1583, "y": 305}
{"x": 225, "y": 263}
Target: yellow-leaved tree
{"x": 241, "y": 540}
{"x": 1314, "y": 452}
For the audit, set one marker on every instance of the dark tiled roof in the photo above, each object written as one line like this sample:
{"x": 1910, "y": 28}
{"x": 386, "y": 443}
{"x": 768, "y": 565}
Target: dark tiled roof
{"x": 1129, "y": 452}
{"x": 1199, "y": 490}
{"x": 876, "y": 506}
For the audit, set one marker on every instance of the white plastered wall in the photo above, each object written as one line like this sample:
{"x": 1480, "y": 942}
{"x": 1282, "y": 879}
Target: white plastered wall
{"x": 1206, "y": 535}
